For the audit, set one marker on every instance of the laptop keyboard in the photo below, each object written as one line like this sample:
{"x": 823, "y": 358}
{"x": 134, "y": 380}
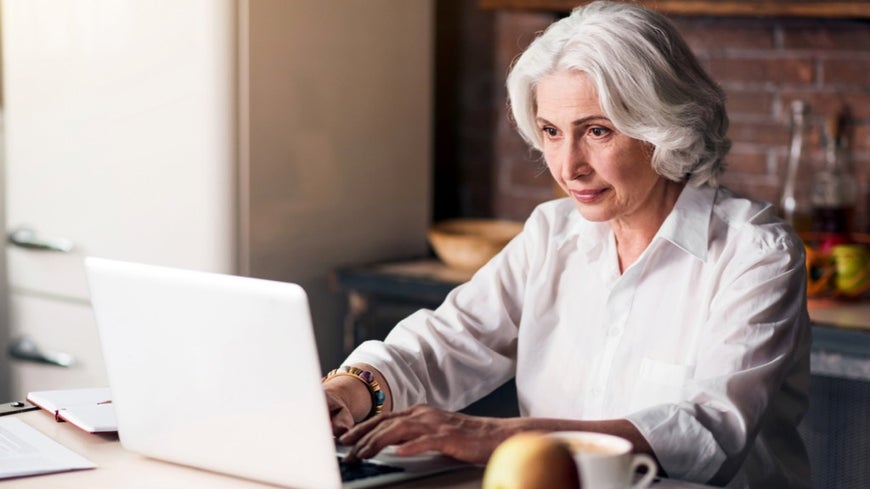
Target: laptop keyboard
{"x": 363, "y": 470}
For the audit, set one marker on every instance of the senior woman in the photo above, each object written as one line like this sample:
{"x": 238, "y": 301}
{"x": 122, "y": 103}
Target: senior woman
{"x": 651, "y": 303}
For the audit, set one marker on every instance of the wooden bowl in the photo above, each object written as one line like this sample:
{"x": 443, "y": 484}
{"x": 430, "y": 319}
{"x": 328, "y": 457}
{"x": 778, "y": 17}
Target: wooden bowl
{"x": 467, "y": 244}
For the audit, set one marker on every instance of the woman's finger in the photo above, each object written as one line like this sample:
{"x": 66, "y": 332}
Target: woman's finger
{"x": 423, "y": 428}
{"x": 392, "y": 431}
{"x": 361, "y": 429}
{"x": 421, "y": 444}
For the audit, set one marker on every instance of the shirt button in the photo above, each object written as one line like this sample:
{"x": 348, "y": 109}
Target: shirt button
{"x": 597, "y": 391}
{"x": 613, "y": 332}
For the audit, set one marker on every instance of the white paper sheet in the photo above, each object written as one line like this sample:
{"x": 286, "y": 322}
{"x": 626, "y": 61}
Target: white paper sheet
{"x": 24, "y": 450}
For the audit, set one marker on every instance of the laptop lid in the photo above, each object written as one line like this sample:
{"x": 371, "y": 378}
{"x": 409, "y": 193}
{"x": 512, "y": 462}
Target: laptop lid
{"x": 221, "y": 372}
{"x": 214, "y": 371}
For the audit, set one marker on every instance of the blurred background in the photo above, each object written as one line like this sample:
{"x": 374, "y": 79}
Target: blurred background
{"x": 294, "y": 140}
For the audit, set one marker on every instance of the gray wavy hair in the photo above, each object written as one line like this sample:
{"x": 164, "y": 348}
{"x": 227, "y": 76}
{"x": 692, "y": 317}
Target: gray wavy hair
{"x": 649, "y": 85}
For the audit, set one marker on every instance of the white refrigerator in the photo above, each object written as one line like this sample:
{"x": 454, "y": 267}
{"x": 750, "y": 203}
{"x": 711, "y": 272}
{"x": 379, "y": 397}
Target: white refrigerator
{"x": 259, "y": 137}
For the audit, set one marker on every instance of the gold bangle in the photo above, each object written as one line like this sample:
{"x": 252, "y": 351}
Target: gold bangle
{"x": 367, "y": 378}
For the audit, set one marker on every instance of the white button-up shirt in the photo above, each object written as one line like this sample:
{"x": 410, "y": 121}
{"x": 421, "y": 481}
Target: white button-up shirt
{"x": 702, "y": 343}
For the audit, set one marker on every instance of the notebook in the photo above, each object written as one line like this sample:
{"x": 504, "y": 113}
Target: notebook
{"x": 221, "y": 372}
{"x": 88, "y": 409}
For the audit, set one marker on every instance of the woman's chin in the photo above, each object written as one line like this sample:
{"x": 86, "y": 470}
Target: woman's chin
{"x": 590, "y": 213}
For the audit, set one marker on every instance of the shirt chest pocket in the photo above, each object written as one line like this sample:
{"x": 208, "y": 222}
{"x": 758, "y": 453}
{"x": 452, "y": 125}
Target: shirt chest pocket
{"x": 660, "y": 382}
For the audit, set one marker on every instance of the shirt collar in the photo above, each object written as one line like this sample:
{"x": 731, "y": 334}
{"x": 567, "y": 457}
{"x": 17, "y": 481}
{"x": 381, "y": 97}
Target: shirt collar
{"x": 688, "y": 224}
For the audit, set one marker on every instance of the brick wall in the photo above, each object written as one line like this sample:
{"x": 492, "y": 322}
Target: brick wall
{"x": 762, "y": 63}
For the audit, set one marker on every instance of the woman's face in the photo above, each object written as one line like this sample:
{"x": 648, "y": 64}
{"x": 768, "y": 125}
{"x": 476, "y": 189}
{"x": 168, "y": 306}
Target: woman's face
{"x": 608, "y": 174}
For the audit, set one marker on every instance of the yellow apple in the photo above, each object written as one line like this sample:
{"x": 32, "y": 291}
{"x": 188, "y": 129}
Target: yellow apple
{"x": 531, "y": 460}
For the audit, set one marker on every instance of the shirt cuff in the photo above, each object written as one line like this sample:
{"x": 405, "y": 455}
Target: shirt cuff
{"x": 377, "y": 354}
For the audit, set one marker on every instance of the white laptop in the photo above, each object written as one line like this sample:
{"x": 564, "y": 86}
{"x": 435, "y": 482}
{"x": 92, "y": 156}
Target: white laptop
{"x": 221, "y": 372}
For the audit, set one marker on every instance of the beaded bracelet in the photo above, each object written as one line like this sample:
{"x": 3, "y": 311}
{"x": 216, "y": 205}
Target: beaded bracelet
{"x": 367, "y": 378}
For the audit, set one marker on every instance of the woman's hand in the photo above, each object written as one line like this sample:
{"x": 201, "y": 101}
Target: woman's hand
{"x": 349, "y": 402}
{"x": 422, "y": 428}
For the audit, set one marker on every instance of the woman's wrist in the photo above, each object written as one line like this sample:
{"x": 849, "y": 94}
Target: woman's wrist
{"x": 369, "y": 380}
{"x": 352, "y": 393}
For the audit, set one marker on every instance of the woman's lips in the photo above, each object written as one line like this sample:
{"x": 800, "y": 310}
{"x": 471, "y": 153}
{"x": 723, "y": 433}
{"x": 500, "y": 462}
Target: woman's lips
{"x": 588, "y": 196}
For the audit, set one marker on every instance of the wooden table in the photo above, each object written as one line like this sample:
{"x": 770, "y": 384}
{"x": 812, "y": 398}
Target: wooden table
{"x": 118, "y": 468}
{"x": 121, "y": 469}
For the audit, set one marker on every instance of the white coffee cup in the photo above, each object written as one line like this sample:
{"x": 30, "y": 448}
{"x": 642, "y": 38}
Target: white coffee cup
{"x": 606, "y": 462}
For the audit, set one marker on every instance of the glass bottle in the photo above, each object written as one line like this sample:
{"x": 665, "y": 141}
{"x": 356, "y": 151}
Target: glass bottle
{"x": 834, "y": 190}
{"x": 794, "y": 202}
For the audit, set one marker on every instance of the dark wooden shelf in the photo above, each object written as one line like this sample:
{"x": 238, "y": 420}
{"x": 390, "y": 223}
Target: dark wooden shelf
{"x": 725, "y": 8}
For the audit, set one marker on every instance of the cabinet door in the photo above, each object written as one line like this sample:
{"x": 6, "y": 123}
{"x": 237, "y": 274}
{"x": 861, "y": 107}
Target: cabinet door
{"x": 120, "y": 142}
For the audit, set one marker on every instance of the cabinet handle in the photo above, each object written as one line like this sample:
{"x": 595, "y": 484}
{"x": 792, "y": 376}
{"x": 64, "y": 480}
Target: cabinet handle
{"x": 27, "y": 238}
{"x": 26, "y": 349}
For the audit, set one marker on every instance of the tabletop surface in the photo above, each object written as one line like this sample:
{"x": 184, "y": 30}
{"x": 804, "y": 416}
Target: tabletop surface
{"x": 119, "y": 468}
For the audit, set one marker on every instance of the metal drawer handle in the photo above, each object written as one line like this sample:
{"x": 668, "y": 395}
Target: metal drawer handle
{"x": 26, "y": 349}
{"x": 27, "y": 238}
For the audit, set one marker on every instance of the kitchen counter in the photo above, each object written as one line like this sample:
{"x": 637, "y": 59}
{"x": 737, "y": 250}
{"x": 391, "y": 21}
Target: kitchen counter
{"x": 853, "y": 315}
{"x": 841, "y": 339}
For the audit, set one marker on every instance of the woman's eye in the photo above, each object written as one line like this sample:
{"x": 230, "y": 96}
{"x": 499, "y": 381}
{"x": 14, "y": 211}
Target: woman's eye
{"x": 598, "y": 131}
{"x": 550, "y": 131}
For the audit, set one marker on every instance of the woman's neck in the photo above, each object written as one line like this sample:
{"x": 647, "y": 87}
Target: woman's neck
{"x": 633, "y": 235}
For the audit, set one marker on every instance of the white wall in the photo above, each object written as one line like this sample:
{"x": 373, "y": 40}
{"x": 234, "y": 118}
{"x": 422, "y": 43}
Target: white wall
{"x": 338, "y": 144}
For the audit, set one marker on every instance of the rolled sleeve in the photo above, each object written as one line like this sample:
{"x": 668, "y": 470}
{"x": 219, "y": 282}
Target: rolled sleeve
{"x": 684, "y": 447}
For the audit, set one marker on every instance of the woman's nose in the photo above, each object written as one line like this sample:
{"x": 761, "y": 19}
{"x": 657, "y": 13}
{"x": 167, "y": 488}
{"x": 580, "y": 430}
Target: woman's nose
{"x": 574, "y": 163}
